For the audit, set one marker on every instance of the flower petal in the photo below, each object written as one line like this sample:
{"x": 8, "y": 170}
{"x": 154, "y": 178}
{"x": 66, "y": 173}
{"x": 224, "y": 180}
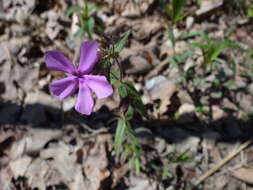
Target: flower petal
{"x": 84, "y": 103}
{"x": 99, "y": 85}
{"x": 64, "y": 87}
{"x": 55, "y": 60}
{"x": 88, "y": 56}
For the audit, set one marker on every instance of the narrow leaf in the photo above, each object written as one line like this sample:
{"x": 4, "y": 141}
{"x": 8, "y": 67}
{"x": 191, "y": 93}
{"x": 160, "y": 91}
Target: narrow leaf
{"x": 120, "y": 134}
{"x": 89, "y": 23}
{"x": 190, "y": 35}
{"x": 122, "y": 90}
{"x": 73, "y": 9}
{"x": 137, "y": 166}
{"x": 172, "y": 37}
{"x": 129, "y": 114}
{"x": 121, "y": 43}
{"x": 177, "y": 6}
{"x": 182, "y": 57}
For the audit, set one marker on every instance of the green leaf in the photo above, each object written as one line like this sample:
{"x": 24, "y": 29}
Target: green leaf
{"x": 201, "y": 109}
{"x": 180, "y": 58}
{"x": 216, "y": 82}
{"x": 131, "y": 162}
{"x": 121, "y": 43}
{"x": 129, "y": 114}
{"x": 137, "y": 165}
{"x": 136, "y": 99}
{"x": 210, "y": 48}
{"x": 216, "y": 48}
{"x": 177, "y": 6}
{"x": 140, "y": 107}
{"x": 165, "y": 173}
{"x": 122, "y": 90}
{"x": 131, "y": 89}
{"x": 190, "y": 35}
{"x": 173, "y": 62}
{"x": 73, "y": 9}
{"x": 128, "y": 150}
{"x": 183, "y": 56}
{"x": 120, "y": 134}
{"x": 184, "y": 157}
{"x": 197, "y": 82}
{"x": 250, "y": 13}
{"x": 229, "y": 83}
{"x": 197, "y": 45}
{"x": 89, "y": 23}
{"x": 248, "y": 73}
{"x": 173, "y": 157}
{"x": 172, "y": 37}
{"x": 114, "y": 76}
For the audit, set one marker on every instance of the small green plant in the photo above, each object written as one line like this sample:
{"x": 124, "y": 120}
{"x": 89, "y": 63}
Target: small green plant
{"x": 163, "y": 171}
{"x": 174, "y": 11}
{"x": 175, "y": 157}
{"x": 87, "y": 22}
{"x": 126, "y": 144}
{"x": 211, "y": 49}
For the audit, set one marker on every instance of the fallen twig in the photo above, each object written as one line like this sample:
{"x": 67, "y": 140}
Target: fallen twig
{"x": 223, "y": 162}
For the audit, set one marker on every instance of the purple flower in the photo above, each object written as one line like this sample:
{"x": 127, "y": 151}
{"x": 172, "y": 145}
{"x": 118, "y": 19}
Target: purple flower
{"x": 80, "y": 78}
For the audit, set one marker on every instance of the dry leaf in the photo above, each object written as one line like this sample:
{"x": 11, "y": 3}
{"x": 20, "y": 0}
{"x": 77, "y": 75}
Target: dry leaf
{"x": 36, "y": 173}
{"x": 163, "y": 91}
{"x": 33, "y": 141}
{"x": 20, "y": 165}
{"x": 5, "y": 178}
{"x": 244, "y": 174}
{"x": 95, "y": 167}
{"x": 208, "y": 5}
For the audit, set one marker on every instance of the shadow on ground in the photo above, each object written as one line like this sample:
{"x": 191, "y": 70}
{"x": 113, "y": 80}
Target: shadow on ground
{"x": 228, "y": 129}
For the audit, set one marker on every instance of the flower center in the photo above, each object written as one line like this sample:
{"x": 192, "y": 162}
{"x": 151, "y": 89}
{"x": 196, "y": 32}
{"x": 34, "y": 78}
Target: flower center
{"x": 79, "y": 74}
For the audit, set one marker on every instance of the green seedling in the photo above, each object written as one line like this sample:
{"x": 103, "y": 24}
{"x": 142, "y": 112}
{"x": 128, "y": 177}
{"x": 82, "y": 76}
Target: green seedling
{"x": 173, "y": 157}
{"x": 174, "y": 10}
{"x": 87, "y": 22}
{"x": 211, "y": 49}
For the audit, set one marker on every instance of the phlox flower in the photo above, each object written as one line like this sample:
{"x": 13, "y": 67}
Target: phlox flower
{"x": 79, "y": 80}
